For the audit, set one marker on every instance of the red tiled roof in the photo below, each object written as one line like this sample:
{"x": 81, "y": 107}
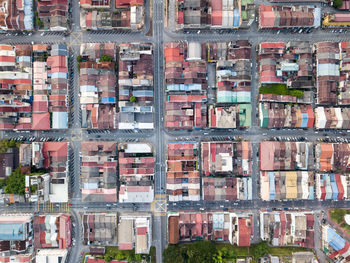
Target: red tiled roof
{"x": 41, "y": 121}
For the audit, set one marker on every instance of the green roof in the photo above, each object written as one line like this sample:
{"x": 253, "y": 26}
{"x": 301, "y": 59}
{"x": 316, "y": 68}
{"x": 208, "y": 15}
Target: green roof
{"x": 245, "y": 115}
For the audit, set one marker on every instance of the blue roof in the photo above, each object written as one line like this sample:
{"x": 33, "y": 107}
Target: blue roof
{"x": 334, "y": 190}
{"x": 108, "y": 99}
{"x": 312, "y": 193}
{"x": 304, "y": 120}
{"x": 236, "y": 18}
{"x": 272, "y": 185}
{"x": 11, "y": 231}
{"x": 334, "y": 240}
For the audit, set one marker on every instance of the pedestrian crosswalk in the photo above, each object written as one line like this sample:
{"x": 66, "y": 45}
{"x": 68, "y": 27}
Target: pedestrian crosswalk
{"x": 52, "y": 207}
{"x": 159, "y": 205}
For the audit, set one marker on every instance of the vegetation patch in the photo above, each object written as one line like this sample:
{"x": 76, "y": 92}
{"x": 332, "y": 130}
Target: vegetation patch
{"x": 129, "y": 255}
{"x": 337, "y": 215}
{"x": 210, "y": 252}
{"x": 280, "y": 89}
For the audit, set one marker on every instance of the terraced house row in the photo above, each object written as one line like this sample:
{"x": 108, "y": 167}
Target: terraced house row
{"x": 224, "y": 174}
{"x": 303, "y": 170}
{"x": 36, "y": 85}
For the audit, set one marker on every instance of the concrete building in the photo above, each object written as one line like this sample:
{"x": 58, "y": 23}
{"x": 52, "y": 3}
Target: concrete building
{"x": 214, "y": 226}
{"x": 135, "y": 231}
{"x": 287, "y": 228}
{"x": 99, "y": 171}
{"x": 100, "y": 229}
{"x": 183, "y": 177}
{"x": 136, "y": 172}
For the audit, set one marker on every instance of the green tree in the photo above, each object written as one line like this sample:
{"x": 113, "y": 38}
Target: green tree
{"x": 33, "y": 188}
{"x": 133, "y": 99}
{"x": 202, "y": 251}
{"x": 260, "y": 250}
{"x": 15, "y": 184}
{"x": 79, "y": 59}
{"x": 174, "y": 253}
{"x": 39, "y": 23}
{"x": 219, "y": 257}
{"x": 105, "y": 58}
{"x": 138, "y": 257}
{"x": 107, "y": 258}
{"x": 337, "y": 3}
{"x": 120, "y": 255}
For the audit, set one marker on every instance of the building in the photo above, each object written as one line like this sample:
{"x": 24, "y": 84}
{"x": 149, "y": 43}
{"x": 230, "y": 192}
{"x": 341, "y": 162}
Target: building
{"x": 332, "y": 186}
{"x": 99, "y": 171}
{"x": 53, "y": 158}
{"x": 135, "y": 84}
{"x": 225, "y": 14}
{"x": 51, "y": 255}
{"x": 16, "y": 78}
{"x": 332, "y": 118}
{"x": 100, "y": 228}
{"x": 232, "y": 61}
{"x": 278, "y": 155}
{"x": 226, "y": 188}
{"x": 186, "y": 85}
{"x": 16, "y": 234}
{"x": 16, "y": 15}
{"x": 287, "y": 185}
{"x": 183, "y": 177}
{"x": 98, "y": 82}
{"x": 225, "y": 169}
{"x": 328, "y": 73}
{"x": 136, "y": 172}
{"x": 9, "y": 161}
{"x": 213, "y": 226}
{"x": 95, "y": 4}
{"x": 280, "y": 115}
{"x": 303, "y": 257}
{"x": 287, "y": 228}
{"x": 286, "y": 77}
{"x": 135, "y": 231}
{"x": 52, "y": 231}
{"x": 332, "y": 157}
{"x": 334, "y": 246}
{"x": 335, "y": 20}
{"x": 279, "y": 17}
{"x": 53, "y": 14}
{"x": 99, "y": 14}
{"x": 50, "y": 87}
{"x": 19, "y": 258}
{"x": 226, "y": 158}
